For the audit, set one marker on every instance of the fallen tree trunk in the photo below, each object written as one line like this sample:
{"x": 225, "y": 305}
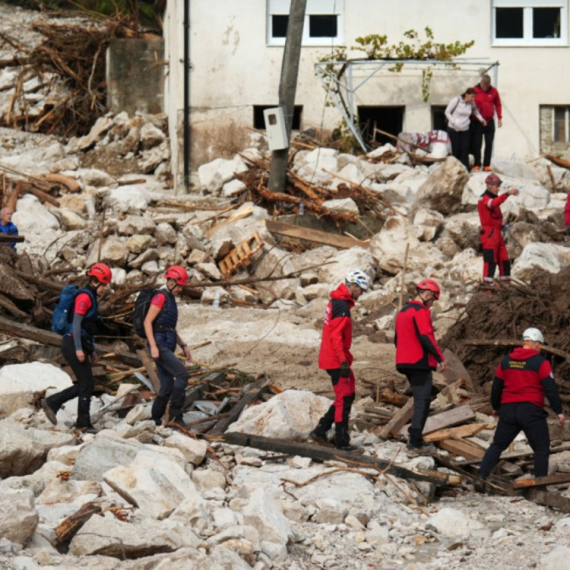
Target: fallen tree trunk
{"x": 321, "y": 453}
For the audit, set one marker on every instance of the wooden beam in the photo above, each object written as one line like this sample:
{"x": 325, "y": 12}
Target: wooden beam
{"x": 549, "y": 499}
{"x": 555, "y": 479}
{"x": 149, "y": 368}
{"x": 316, "y": 236}
{"x": 399, "y": 420}
{"x": 464, "y": 448}
{"x": 455, "y": 433}
{"x": 454, "y": 370}
{"x": 520, "y": 454}
{"x": 322, "y": 453}
{"x": 8, "y": 239}
{"x": 446, "y": 419}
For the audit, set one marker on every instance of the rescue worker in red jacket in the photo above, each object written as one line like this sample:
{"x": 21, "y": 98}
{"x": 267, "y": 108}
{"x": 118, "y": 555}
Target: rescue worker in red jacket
{"x": 418, "y": 355}
{"x": 492, "y": 241}
{"x": 567, "y": 214}
{"x": 336, "y": 359}
{"x": 522, "y": 380}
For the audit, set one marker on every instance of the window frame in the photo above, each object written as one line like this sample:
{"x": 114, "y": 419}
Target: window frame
{"x": 527, "y": 40}
{"x": 566, "y": 123}
{"x": 314, "y": 8}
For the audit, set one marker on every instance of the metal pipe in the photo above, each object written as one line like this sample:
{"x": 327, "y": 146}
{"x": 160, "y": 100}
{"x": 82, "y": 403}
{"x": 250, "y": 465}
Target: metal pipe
{"x": 187, "y": 95}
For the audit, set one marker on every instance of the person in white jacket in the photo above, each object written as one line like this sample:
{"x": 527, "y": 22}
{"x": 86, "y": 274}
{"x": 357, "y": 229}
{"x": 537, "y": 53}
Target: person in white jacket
{"x": 458, "y": 114}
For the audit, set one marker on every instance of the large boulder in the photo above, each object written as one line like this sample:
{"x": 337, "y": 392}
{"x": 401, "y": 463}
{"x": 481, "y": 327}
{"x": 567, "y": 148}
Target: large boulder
{"x": 539, "y": 258}
{"x": 132, "y": 199}
{"x": 264, "y": 514}
{"x": 515, "y": 169}
{"x": 18, "y": 515}
{"x": 451, "y": 522}
{"x": 32, "y": 217}
{"x": 289, "y": 415}
{"x": 344, "y": 261}
{"x": 108, "y": 536}
{"x": 153, "y": 484}
{"x": 215, "y": 174}
{"x": 18, "y": 382}
{"x": 275, "y": 262}
{"x": 443, "y": 189}
{"x": 114, "y": 251}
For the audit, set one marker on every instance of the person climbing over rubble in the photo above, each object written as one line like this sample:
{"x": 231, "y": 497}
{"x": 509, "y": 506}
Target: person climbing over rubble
{"x": 78, "y": 349}
{"x": 522, "y": 380}
{"x": 487, "y": 101}
{"x": 336, "y": 359}
{"x": 160, "y": 328}
{"x": 491, "y": 236}
{"x": 458, "y": 114}
{"x": 418, "y": 355}
{"x": 7, "y": 226}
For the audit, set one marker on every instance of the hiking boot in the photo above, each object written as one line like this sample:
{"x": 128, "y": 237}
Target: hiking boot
{"x": 88, "y": 429}
{"x": 350, "y": 449}
{"x": 481, "y": 486}
{"x": 318, "y": 435}
{"x": 487, "y": 169}
{"x": 476, "y": 169}
{"x": 423, "y": 449}
{"x": 49, "y": 411}
{"x": 178, "y": 421}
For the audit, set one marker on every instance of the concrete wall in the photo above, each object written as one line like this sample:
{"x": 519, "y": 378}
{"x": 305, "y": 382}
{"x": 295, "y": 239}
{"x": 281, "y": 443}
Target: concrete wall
{"x": 233, "y": 69}
{"x": 135, "y": 76}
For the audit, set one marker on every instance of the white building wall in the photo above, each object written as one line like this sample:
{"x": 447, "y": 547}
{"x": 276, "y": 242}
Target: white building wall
{"x": 234, "y": 69}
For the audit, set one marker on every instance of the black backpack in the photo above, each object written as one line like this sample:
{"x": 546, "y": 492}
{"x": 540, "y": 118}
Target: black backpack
{"x": 142, "y": 305}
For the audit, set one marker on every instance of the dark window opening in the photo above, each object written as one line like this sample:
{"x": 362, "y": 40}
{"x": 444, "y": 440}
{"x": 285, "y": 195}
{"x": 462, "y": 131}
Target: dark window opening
{"x": 259, "y": 120}
{"x": 509, "y": 23}
{"x": 546, "y": 22}
{"x": 388, "y": 119}
{"x": 323, "y": 26}
{"x": 560, "y": 124}
{"x": 438, "y": 121}
{"x": 279, "y": 26}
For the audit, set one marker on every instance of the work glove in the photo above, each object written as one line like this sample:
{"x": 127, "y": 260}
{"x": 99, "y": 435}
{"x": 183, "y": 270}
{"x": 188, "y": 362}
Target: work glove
{"x": 344, "y": 369}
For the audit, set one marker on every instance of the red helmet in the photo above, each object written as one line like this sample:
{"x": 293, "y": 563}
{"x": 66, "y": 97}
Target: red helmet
{"x": 493, "y": 179}
{"x": 101, "y": 272}
{"x": 178, "y": 274}
{"x": 429, "y": 285}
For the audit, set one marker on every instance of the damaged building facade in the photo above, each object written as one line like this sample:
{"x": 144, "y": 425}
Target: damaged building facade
{"x": 234, "y": 63}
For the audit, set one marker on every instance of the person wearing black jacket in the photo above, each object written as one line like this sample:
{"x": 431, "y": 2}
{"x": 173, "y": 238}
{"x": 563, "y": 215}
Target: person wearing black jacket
{"x": 522, "y": 380}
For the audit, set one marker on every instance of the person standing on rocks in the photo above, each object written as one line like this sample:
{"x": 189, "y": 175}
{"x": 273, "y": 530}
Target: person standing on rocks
{"x": 7, "y": 226}
{"x": 567, "y": 214}
{"x": 491, "y": 236}
{"x": 522, "y": 380}
{"x": 78, "y": 349}
{"x": 487, "y": 101}
{"x": 418, "y": 355}
{"x": 458, "y": 114}
{"x": 160, "y": 328}
{"x": 336, "y": 359}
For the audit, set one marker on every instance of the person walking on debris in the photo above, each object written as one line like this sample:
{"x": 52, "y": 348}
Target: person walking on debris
{"x": 418, "y": 355}
{"x": 336, "y": 359}
{"x": 7, "y": 226}
{"x": 487, "y": 101}
{"x": 521, "y": 381}
{"x": 567, "y": 214}
{"x": 78, "y": 349}
{"x": 458, "y": 114}
{"x": 492, "y": 241}
{"x": 160, "y": 328}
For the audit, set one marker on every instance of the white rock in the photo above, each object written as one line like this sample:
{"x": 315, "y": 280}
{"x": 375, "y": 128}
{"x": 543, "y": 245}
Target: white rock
{"x": 263, "y": 513}
{"x": 114, "y": 251}
{"x": 210, "y": 270}
{"x": 132, "y": 225}
{"x": 451, "y": 522}
{"x": 18, "y": 382}
{"x": 557, "y": 559}
{"x": 32, "y": 217}
{"x": 214, "y": 174}
{"x": 341, "y": 205}
{"x": 136, "y": 244}
{"x": 344, "y": 261}
{"x": 132, "y": 199}
{"x": 430, "y": 220}
{"x": 233, "y": 188}
{"x": 194, "y": 450}
{"x": 94, "y": 177}
{"x": 208, "y": 479}
{"x": 539, "y": 258}
{"x": 289, "y": 415}
{"x": 165, "y": 234}
{"x": 151, "y": 136}
{"x": 514, "y": 169}
{"x": 18, "y": 515}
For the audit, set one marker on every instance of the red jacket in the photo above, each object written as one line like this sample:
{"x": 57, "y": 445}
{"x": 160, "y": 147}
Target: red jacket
{"x": 337, "y": 330}
{"x": 567, "y": 211}
{"x": 489, "y": 207}
{"x": 487, "y": 102}
{"x": 416, "y": 348}
{"x": 525, "y": 376}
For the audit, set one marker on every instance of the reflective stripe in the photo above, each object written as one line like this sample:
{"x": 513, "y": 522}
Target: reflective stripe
{"x": 490, "y": 204}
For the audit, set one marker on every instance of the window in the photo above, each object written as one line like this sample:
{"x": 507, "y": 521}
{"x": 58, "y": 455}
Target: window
{"x": 323, "y": 22}
{"x": 387, "y": 119}
{"x": 259, "y": 120}
{"x": 530, "y": 22}
{"x": 560, "y": 131}
{"x": 438, "y": 120}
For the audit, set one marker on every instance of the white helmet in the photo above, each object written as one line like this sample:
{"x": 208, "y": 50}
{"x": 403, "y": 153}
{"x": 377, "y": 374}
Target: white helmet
{"x": 533, "y": 334}
{"x": 359, "y": 278}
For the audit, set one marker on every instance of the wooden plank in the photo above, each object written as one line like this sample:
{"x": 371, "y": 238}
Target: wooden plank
{"x": 400, "y": 418}
{"x": 464, "y": 448}
{"x": 520, "y": 454}
{"x": 538, "y": 481}
{"x": 549, "y": 499}
{"x": 454, "y": 370}
{"x": 322, "y": 453}
{"x": 455, "y": 433}
{"x": 446, "y": 419}
{"x": 7, "y": 239}
{"x": 151, "y": 372}
{"x": 316, "y": 236}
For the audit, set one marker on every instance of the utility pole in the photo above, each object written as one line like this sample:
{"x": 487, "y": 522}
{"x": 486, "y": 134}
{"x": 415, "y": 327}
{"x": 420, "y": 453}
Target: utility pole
{"x": 287, "y": 89}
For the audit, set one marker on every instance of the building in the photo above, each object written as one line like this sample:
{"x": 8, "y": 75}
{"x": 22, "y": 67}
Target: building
{"x": 236, "y": 48}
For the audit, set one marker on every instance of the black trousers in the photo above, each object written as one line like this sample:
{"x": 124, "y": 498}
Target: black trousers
{"x": 478, "y": 133}
{"x": 173, "y": 381}
{"x": 421, "y": 383}
{"x": 460, "y": 145}
{"x": 512, "y": 419}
